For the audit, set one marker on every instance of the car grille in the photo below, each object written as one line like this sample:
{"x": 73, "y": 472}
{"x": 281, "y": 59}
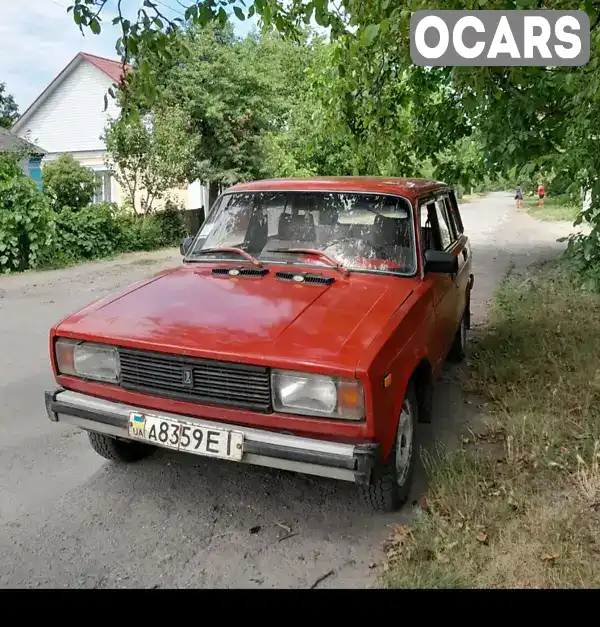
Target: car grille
{"x": 199, "y": 380}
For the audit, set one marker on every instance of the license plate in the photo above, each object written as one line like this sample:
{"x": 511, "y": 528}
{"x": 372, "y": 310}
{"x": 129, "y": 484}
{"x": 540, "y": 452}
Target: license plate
{"x": 185, "y": 436}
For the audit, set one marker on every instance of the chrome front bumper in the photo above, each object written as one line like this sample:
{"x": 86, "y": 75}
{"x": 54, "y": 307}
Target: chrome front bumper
{"x": 348, "y": 462}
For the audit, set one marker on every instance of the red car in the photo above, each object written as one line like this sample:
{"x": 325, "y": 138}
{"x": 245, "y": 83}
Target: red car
{"x": 303, "y": 331}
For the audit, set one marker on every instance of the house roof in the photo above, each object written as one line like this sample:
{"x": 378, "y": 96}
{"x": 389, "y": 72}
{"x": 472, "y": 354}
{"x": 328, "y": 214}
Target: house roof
{"x": 111, "y": 67}
{"x": 9, "y": 142}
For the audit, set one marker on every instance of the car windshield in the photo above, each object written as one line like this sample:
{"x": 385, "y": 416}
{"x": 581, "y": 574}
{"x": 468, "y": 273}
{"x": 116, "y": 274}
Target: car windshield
{"x": 363, "y": 232}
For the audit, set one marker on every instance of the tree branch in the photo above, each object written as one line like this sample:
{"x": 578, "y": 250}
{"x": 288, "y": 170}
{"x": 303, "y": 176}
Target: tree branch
{"x": 97, "y": 14}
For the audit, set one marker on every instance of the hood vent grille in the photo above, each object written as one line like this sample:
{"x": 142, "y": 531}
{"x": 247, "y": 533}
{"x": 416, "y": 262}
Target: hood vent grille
{"x": 305, "y": 277}
{"x": 241, "y": 271}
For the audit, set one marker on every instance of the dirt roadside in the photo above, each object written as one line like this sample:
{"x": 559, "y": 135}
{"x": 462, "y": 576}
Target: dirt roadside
{"x": 69, "y": 519}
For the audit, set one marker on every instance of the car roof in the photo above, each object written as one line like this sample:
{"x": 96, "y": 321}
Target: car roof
{"x": 411, "y": 188}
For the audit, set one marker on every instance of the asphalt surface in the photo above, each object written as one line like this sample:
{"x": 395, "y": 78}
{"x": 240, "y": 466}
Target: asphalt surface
{"x": 68, "y": 518}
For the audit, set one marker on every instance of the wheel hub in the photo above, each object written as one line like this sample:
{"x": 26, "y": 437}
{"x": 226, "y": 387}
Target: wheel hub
{"x": 404, "y": 443}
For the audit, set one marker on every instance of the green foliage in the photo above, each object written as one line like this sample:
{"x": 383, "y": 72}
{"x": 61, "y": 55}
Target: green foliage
{"x": 265, "y": 107}
{"x": 233, "y": 111}
{"x": 145, "y": 233}
{"x": 555, "y": 208}
{"x": 583, "y": 251}
{"x": 138, "y": 232}
{"x": 104, "y": 230}
{"x": 149, "y": 155}
{"x": 150, "y": 232}
{"x": 26, "y": 220}
{"x": 303, "y": 140}
{"x": 9, "y": 111}
{"x": 461, "y": 164}
{"x": 89, "y": 233}
{"x": 171, "y": 224}
{"x": 153, "y": 33}
{"x": 268, "y": 106}
{"x": 225, "y": 99}
{"x": 33, "y": 235}
{"x": 68, "y": 184}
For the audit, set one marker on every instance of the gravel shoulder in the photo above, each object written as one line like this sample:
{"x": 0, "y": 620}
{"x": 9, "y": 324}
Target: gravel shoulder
{"x": 70, "y": 519}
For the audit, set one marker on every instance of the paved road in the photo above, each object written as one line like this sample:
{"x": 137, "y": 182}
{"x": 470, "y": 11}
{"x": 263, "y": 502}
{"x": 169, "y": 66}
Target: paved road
{"x": 70, "y": 519}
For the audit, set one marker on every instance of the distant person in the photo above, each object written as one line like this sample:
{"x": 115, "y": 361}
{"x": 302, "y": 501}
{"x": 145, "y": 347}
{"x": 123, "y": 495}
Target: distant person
{"x": 519, "y": 197}
{"x": 541, "y": 194}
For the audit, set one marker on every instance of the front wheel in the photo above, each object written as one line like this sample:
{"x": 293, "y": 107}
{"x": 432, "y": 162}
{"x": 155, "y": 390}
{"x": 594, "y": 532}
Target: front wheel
{"x": 458, "y": 351}
{"x": 391, "y": 480}
{"x": 118, "y": 450}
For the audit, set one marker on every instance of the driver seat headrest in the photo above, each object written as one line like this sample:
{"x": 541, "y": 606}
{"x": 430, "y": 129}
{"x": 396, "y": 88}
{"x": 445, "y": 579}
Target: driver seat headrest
{"x": 297, "y": 227}
{"x": 388, "y": 231}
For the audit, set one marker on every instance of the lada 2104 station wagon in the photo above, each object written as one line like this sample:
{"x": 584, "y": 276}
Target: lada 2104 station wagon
{"x": 303, "y": 331}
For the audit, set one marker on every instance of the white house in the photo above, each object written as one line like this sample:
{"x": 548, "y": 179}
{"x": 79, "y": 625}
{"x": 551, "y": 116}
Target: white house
{"x": 69, "y": 116}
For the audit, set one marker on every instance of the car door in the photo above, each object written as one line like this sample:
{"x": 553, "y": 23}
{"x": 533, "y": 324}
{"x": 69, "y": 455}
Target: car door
{"x": 442, "y": 285}
{"x": 448, "y": 212}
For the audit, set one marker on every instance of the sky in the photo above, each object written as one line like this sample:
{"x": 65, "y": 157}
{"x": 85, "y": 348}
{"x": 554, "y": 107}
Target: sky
{"x": 38, "y": 38}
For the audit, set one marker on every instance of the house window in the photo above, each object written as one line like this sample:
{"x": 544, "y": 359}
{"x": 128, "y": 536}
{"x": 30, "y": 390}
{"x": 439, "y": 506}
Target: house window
{"x": 103, "y": 187}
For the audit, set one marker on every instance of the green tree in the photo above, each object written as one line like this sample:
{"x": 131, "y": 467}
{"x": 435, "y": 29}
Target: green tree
{"x": 26, "y": 220}
{"x": 373, "y": 109}
{"x": 461, "y": 164}
{"x": 149, "y": 155}
{"x": 67, "y": 183}
{"x": 9, "y": 111}
{"x": 301, "y": 139}
{"x": 225, "y": 99}
{"x": 214, "y": 103}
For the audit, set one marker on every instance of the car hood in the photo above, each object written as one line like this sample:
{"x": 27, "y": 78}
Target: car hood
{"x": 192, "y": 311}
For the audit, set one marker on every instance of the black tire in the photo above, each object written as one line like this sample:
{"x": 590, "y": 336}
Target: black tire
{"x": 458, "y": 351}
{"x": 118, "y": 450}
{"x": 385, "y": 493}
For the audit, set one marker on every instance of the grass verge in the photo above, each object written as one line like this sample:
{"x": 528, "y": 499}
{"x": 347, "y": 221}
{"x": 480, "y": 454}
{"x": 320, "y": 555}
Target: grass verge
{"x": 554, "y": 209}
{"x": 519, "y": 504}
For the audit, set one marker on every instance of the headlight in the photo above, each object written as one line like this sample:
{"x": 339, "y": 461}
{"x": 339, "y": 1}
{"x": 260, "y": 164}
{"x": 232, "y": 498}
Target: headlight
{"x": 87, "y": 360}
{"x": 317, "y": 395}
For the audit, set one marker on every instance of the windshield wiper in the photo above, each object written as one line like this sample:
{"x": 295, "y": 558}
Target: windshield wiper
{"x": 311, "y": 251}
{"x": 229, "y": 249}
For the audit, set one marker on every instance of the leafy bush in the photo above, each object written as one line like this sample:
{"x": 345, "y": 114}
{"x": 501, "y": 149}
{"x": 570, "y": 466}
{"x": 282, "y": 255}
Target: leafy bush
{"x": 144, "y": 233}
{"x": 26, "y": 220}
{"x": 149, "y": 232}
{"x": 32, "y": 235}
{"x": 89, "y": 233}
{"x": 583, "y": 251}
{"x": 171, "y": 224}
{"x": 68, "y": 184}
{"x": 126, "y": 226}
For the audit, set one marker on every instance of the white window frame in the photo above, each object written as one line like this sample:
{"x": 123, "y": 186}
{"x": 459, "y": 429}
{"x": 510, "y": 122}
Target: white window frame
{"x": 104, "y": 191}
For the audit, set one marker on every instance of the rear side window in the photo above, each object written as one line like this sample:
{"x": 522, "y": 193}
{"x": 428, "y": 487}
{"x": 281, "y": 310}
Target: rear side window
{"x": 429, "y": 232}
{"x": 444, "y": 224}
{"x": 455, "y": 213}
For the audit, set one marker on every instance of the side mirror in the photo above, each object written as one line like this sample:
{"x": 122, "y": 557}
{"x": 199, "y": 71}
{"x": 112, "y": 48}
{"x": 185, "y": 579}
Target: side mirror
{"x": 185, "y": 245}
{"x": 440, "y": 262}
